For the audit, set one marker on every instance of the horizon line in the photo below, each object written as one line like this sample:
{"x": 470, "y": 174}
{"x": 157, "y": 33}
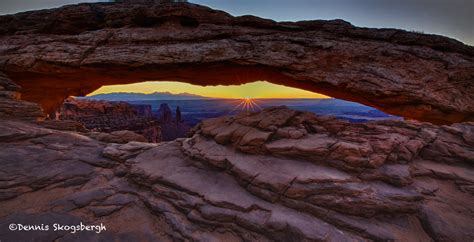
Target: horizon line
{"x": 205, "y": 97}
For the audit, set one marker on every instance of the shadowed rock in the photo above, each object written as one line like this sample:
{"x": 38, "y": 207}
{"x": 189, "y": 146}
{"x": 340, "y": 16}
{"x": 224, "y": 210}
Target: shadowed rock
{"x": 299, "y": 177}
{"x": 278, "y": 174}
{"x": 75, "y": 49}
{"x": 12, "y": 107}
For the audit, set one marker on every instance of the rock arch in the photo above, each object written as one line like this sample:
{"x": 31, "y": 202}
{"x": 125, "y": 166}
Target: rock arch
{"x": 75, "y": 49}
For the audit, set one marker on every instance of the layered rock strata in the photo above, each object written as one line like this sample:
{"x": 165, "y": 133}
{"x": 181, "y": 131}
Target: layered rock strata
{"x": 75, "y": 49}
{"x": 104, "y": 116}
{"x": 276, "y": 175}
{"x": 11, "y": 105}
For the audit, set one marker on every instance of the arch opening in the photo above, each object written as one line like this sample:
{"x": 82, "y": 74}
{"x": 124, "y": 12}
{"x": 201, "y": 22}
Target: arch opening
{"x": 50, "y": 90}
{"x": 422, "y": 77}
{"x": 166, "y": 110}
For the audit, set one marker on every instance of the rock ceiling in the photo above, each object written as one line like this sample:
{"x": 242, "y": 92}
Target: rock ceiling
{"x": 74, "y": 50}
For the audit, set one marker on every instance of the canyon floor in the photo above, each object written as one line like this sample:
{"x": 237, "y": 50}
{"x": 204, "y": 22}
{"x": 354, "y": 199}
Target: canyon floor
{"x": 278, "y": 174}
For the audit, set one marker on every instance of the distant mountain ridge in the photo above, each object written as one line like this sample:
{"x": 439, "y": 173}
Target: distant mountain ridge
{"x": 132, "y": 96}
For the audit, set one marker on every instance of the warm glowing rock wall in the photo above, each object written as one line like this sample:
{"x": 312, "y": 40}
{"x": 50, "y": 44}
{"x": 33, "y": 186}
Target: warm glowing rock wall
{"x": 76, "y": 49}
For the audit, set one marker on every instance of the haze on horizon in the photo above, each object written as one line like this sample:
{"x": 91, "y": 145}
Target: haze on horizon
{"x": 258, "y": 89}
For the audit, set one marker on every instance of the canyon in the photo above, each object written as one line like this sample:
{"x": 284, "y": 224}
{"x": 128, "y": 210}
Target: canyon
{"x": 103, "y": 116}
{"x": 274, "y": 175}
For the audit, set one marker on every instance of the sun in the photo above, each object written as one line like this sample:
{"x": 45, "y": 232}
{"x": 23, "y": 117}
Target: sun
{"x": 247, "y": 105}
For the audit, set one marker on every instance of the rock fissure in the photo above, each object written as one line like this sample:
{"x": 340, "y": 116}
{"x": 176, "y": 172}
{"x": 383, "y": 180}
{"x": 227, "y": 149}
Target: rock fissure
{"x": 361, "y": 207}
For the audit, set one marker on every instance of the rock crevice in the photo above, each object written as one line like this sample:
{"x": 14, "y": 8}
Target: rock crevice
{"x": 307, "y": 177}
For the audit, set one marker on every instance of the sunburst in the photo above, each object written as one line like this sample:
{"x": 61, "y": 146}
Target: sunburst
{"x": 247, "y": 105}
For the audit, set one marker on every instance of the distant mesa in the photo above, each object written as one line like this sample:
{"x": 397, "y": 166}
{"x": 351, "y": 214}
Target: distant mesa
{"x": 129, "y": 96}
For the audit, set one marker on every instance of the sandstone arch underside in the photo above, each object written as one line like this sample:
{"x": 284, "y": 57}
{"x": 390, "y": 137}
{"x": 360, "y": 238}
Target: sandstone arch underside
{"x": 75, "y": 49}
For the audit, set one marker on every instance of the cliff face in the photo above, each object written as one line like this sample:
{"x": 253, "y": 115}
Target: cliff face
{"x": 143, "y": 110}
{"x": 73, "y": 50}
{"x": 277, "y": 175}
{"x": 172, "y": 127}
{"x": 164, "y": 113}
{"x": 11, "y": 105}
{"x": 106, "y": 116}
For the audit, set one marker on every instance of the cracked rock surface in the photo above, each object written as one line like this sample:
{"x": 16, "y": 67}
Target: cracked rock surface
{"x": 75, "y": 49}
{"x": 278, "y": 174}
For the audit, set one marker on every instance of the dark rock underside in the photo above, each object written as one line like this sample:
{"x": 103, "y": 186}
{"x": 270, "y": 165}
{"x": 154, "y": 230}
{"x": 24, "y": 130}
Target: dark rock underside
{"x": 76, "y": 49}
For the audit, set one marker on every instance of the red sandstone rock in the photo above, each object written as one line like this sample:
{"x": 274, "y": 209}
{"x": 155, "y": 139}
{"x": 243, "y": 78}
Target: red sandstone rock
{"x": 279, "y": 187}
{"x": 104, "y": 116}
{"x": 275, "y": 175}
{"x": 75, "y": 49}
{"x": 12, "y": 107}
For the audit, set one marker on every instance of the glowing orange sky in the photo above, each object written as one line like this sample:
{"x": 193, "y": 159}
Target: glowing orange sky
{"x": 258, "y": 89}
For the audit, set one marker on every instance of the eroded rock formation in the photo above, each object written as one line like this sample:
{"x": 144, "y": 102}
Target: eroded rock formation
{"x": 172, "y": 127}
{"x": 164, "y": 113}
{"x": 276, "y": 175}
{"x": 75, "y": 49}
{"x": 104, "y": 116}
{"x": 12, "y": 107}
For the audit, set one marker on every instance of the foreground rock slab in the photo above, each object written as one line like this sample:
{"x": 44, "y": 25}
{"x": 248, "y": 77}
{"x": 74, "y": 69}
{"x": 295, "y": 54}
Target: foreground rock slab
{"x": 279, "y": 175}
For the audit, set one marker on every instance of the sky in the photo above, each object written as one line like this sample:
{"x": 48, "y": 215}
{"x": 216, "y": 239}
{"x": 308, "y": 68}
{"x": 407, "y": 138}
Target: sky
{"x": 452, "y": 18}
{"x": 258, "y": 89}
